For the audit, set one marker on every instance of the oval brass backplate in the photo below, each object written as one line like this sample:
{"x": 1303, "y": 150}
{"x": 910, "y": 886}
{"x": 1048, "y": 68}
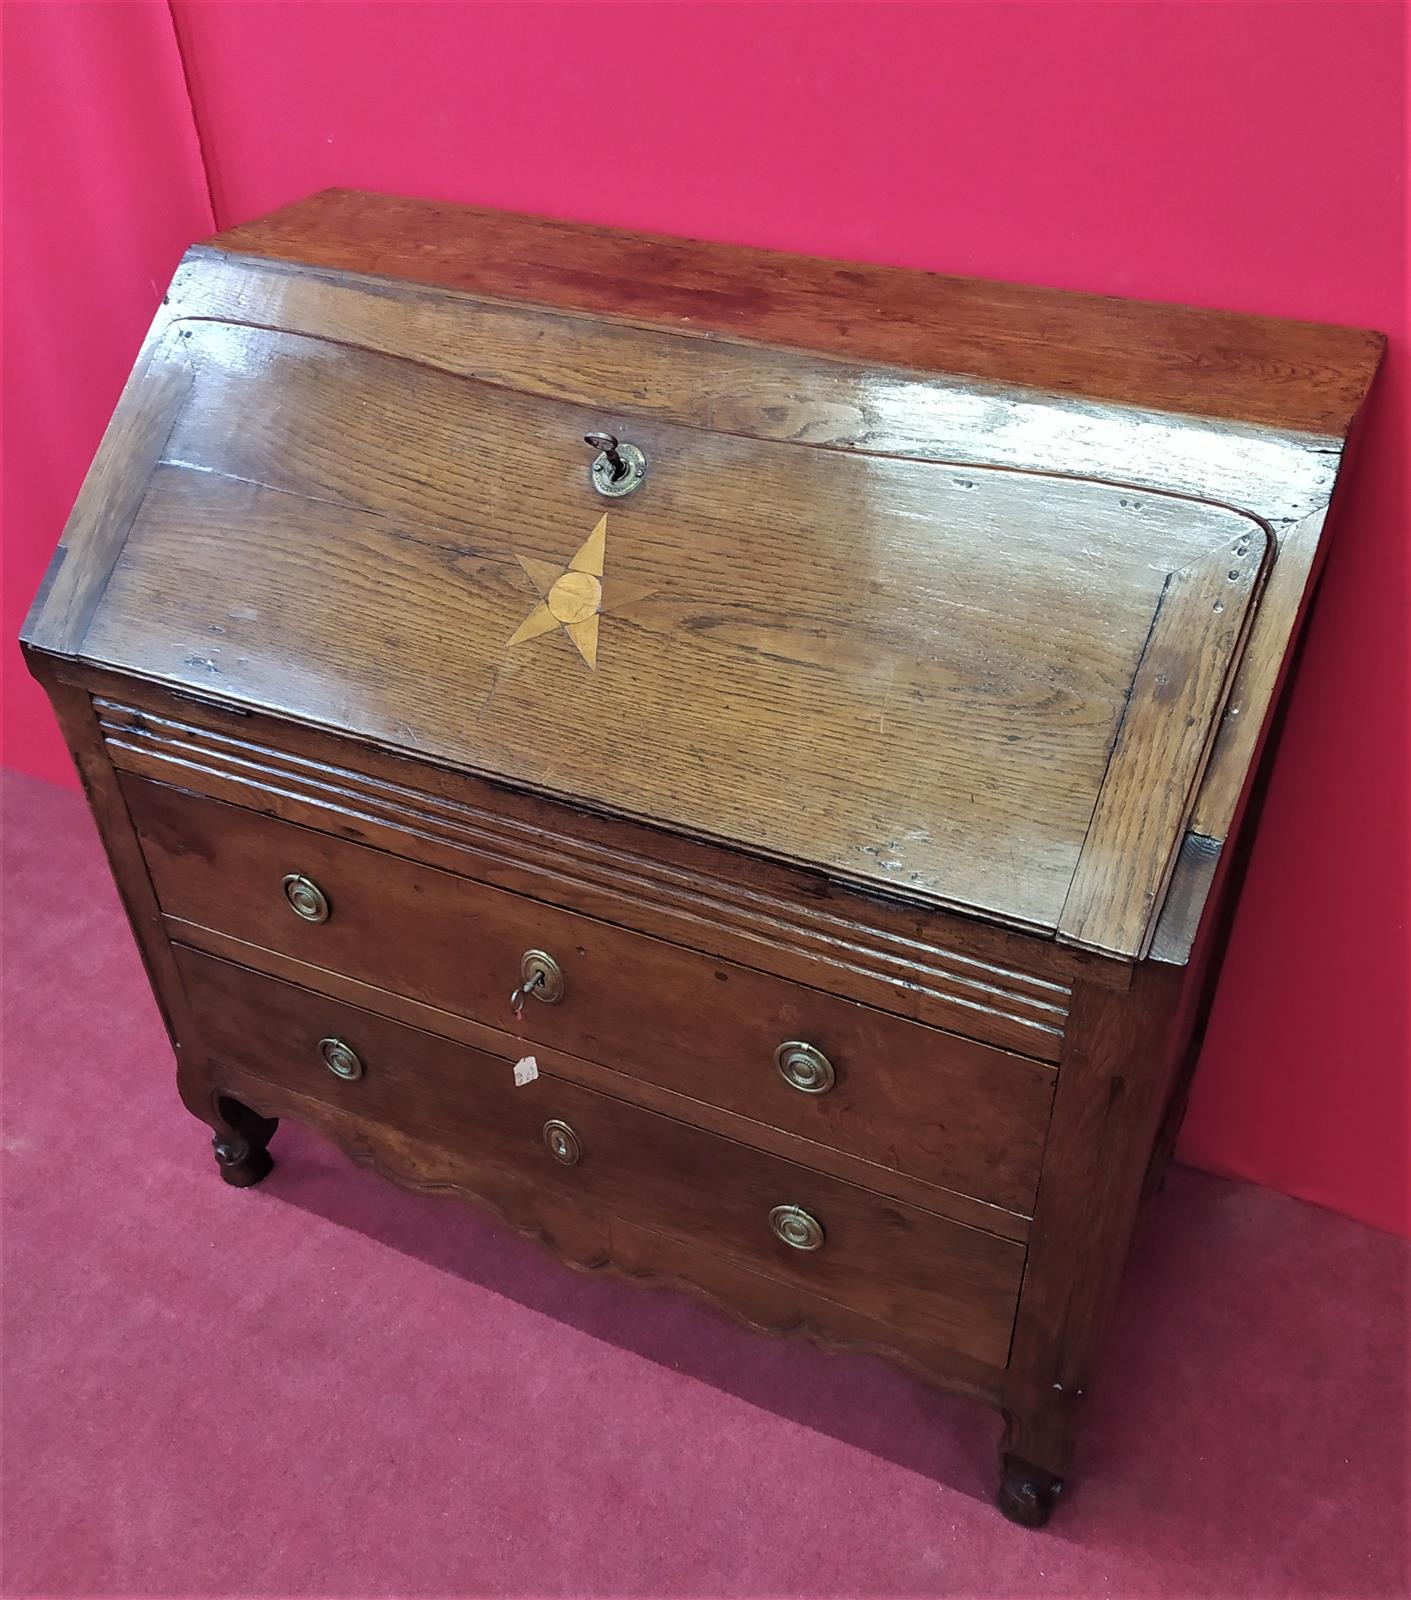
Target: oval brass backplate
{"x": 541, "y": 976}
{"x": 341, "y": 1059}
{"x": 305, "y": 898}
{"x": 793, "y": 1226}
{"x": 804, "y": 1067}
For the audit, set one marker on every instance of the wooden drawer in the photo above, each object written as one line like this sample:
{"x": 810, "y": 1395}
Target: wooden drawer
{"x": 892, "y": 1262}
{"x": 941, "y": 1109}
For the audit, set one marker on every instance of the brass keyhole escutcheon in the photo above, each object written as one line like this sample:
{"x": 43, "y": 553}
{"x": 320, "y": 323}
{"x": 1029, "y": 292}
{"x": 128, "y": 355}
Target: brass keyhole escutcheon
{"x": 617, "y": 469}
{"x": 305, "y": 898}
{"x": 541, "y": 977}
{"x": 793, "y": 1226}
{"x": 804, "y": 1067}
{"x": 562, "y": 1143}
{"x": 341, "y": 1059}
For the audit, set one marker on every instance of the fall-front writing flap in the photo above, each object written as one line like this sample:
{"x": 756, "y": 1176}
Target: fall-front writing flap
{"x": 984, "y": 688}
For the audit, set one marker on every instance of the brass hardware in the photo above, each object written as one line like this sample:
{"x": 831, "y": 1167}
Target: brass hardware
{"x": 340, "y": 1058}
{"x": 563, "y": 1143}
{"x": 804, "y": 1067}
{"x": 539, "y": 975}
{"x": 618, "y": 469}
{"x": 305, "y": 898}
{"x": 794, "y": 1227}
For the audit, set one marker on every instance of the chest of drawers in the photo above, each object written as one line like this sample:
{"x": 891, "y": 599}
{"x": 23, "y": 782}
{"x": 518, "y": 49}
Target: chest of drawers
{"x": 734, "y": 762}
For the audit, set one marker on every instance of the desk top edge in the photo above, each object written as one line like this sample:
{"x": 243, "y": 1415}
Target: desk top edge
{"x": 1229, "y": 367}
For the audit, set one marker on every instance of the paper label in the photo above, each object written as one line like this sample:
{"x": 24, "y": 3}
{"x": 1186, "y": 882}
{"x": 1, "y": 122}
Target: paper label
{"x": 526, "y": 1069}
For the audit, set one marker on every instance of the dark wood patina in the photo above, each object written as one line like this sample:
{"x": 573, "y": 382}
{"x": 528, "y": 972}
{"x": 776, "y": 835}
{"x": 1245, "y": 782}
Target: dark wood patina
{"x": 865, "y": 778}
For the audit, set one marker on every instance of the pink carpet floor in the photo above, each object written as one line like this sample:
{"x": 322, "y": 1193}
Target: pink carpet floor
{"x": 327, "y": 1386}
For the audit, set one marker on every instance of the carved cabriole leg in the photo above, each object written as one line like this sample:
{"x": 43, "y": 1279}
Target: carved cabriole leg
{"x": 239, "y": 1135}
{"x": 1114, "y": 1081}
{"x": 240, "y": 1143}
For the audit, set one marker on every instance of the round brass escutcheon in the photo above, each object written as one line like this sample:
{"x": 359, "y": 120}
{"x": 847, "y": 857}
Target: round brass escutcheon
{"x": 804, "y": 1067}
{"x": 340, "y": 1058}
{"x": 619, "y": 468}
{"x": 305, "y": 898}
{"x": 793, "y": 1226}
{"x": 563, "y": 1143}
{"x": 541, "y": 976}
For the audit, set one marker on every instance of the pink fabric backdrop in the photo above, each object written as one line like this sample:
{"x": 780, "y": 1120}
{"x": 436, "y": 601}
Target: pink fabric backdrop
{"x": 104, "y": 188}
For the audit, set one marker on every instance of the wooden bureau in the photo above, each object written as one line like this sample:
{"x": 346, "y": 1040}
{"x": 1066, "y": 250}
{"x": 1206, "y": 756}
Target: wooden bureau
{"x": 739, "y": 763}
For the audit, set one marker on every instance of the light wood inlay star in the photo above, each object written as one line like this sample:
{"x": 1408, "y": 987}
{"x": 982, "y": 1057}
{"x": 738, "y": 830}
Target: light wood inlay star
{"x": 571, "y": 597}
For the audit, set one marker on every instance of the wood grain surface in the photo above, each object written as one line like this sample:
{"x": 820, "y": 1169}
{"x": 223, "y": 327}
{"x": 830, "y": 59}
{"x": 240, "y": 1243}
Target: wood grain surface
{"x": 1299, "y": 375}
{"x": 949, "y": 971}
{"x": 925, "y": 696}
{"x": 943, "y": 1109}
{"x": 887, "y": 1260}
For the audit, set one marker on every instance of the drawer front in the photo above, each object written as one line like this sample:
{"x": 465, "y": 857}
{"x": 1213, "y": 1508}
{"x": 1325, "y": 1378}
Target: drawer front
{"x": 944, "y": 1110}
{"x": 892, "y": 1262}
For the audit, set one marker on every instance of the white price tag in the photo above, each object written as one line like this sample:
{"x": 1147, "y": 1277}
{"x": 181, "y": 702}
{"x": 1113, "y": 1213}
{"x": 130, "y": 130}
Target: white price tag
{"x": 526, "y": 1069}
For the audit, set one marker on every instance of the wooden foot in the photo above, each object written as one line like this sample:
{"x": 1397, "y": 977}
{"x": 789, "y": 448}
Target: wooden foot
{"x": 1026, "y": 1493}
{"x": 1041, "y": 1430}
{"x": 240, "y": 1144}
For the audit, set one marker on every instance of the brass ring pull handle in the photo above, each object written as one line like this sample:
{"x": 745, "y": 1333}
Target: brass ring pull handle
{"x": 804, "y": 1067}
{"x": 305, "y": 898}
{"x": 540, "y": 976}
{"x": 617, "y": 469}
{"x": 793, "y": 1226}
{"x": 563, "y": 1143}
{"x": 341, "y": 1059}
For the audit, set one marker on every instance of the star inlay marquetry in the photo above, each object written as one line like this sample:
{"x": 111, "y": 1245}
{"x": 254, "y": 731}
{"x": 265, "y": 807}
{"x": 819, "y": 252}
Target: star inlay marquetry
{"x": 571, "y": 597}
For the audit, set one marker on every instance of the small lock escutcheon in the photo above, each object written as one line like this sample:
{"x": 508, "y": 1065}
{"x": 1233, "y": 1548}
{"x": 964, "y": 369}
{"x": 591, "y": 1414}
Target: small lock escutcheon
{"x": 618, "y": 469}
{"x": 540, "y": 978}
{"x": 562, "y": 1143}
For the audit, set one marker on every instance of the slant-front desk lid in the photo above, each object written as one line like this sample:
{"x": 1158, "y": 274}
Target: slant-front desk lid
{"x": 941, "y": 588}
